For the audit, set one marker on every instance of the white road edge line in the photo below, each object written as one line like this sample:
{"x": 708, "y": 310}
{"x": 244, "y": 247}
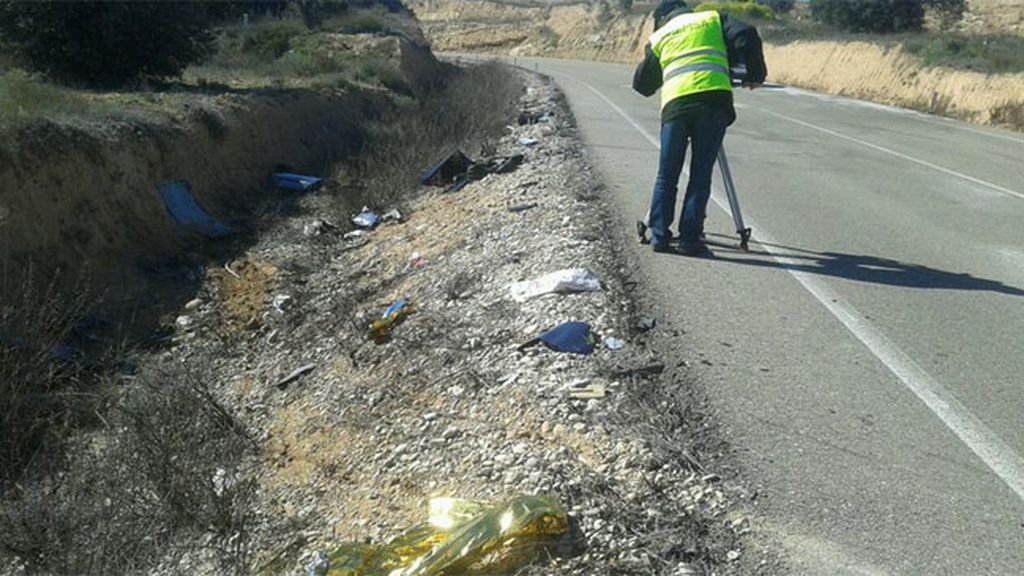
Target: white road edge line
{"x": 900, "y": 155}
{"x": 974, "y": 433}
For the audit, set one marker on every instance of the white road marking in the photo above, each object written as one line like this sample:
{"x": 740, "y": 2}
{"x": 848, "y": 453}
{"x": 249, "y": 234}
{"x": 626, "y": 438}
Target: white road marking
{"x": 892, "y": 152}
{"x": 974, "y": 433}
{"x": 915, "y": 114}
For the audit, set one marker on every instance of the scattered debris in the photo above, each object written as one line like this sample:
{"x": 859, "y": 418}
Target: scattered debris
{"x": 652, "y": 369}
{"x": 380, "y": 330}
{"x": 613, "y": 343}
{"x": 366, "y": 218}
{"x": 522, "y": 207}
{"x": 280, "y": 302}
{"x": 646, "y": 324}
{"x": 562, "y": 281}
{"x": 466, "y": 536}
{"x": 182, "y": 207}
{"x": 588, "y": 392}
{"x": 448, "y": 171}
{"x": 393, "y": 215}
{"x": 318, "y": 226}
{"x": 527, "y": 141}
{"x": 297, "y": 182}
{"x": 457, "y": 170}
{"x": 416, "y": 260}
{"x": 319, "y": 565}
{"x": 574, "y": 337}
{"x": 295, "y": 375}
{"x": 355, "y": 234}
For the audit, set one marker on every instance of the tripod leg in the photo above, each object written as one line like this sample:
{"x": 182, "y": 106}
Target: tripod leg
{"x": 734, "y": 203}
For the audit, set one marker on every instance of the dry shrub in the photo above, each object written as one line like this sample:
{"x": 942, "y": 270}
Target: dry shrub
{"x": 39, "y": 372}
{"x": 166, "y": 472}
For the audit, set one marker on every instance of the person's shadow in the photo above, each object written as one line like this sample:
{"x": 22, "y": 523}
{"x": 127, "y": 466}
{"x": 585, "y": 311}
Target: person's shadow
{"x": 859, "y": 267}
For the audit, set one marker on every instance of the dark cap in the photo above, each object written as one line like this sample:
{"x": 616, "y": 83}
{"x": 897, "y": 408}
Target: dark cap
{"x": 667, "y": 9}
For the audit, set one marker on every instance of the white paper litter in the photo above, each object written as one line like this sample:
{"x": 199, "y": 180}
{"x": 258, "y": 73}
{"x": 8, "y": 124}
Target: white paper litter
{"x": 562, "y": 281}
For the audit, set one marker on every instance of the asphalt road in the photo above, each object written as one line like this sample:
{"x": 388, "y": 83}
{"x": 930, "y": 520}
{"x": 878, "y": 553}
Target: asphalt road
{"x": 866, "y": 357}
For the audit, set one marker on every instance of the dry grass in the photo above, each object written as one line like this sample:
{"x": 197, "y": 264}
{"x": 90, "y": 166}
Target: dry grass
{"x": 41, "y": 394}
{"x": 166, "y": 471}
{"x": 468, "y": 110}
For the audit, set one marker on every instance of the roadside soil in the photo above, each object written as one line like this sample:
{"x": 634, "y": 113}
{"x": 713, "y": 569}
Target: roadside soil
{"x": 352, "y": 450}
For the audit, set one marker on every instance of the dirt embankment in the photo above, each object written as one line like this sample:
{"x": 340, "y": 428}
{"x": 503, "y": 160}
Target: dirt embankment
{"x": 859, "y": 69}
{"x": 84, "y": 191}
{"x": 571, "y": 30}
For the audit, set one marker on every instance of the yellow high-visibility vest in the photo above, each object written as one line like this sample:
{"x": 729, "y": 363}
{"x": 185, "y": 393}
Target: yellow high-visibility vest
{"x": 693, "y": 56}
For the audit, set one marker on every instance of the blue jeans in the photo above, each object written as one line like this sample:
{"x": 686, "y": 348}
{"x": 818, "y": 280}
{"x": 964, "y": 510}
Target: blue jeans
{"x": 705, "y": 132}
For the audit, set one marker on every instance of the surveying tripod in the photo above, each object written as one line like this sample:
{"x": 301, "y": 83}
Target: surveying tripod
{"x": 734, "y": 206}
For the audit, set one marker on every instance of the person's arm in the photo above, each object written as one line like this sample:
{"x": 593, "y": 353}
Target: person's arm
{"x": 744, "y": 45}
{"x": 647, "y": 76}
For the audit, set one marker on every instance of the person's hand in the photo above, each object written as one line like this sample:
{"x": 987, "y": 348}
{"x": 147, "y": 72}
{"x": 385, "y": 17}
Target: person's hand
{"x": 751, "y": 85}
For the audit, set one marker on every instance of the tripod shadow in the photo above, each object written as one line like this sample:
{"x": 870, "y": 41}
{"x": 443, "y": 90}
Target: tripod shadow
{"x": 862, "y": 268}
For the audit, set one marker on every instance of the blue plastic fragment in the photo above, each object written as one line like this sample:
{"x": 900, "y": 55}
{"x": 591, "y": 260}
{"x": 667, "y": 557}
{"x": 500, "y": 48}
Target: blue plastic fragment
{"x": 366, "y": 219}
{"x": 299, "y": 182}
{"x": 182, "y": 207}
{"x": 395, "y": 307}
{"x": 575, "y": 337}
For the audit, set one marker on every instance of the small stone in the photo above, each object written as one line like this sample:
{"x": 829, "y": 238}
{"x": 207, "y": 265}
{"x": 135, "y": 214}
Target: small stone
{"x": 732, "y": 555}
{"x": 193, "y": 304}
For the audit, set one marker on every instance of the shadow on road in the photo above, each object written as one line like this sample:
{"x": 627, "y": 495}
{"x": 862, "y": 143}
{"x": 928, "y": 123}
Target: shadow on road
{"x": 859, "y": 267}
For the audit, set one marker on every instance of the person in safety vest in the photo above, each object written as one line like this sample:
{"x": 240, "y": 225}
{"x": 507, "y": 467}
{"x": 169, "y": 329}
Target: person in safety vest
{"x": 689, "y": 57}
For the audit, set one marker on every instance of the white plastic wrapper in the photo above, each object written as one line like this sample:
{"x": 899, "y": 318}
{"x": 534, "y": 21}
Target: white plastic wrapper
{"x": 562, "y": 281}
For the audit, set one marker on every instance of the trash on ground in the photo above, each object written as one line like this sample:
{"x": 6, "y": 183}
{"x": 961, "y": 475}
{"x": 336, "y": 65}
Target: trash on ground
{"x": 355, "y": 234}
{"x": 588, "y": 392}
{"x": 646, "y": 324}
{"x": 613, "y": 343}
{"x": 393, "y": 215}
{"x": 318, "y": 227}
{"x": 457, "y": 170}
{"x": 522, "y": 207}
{"x": 461, "y": 536}
{"x": 280, "y": 302}
{"x": 295, "y": 375}
{"x": 366, "y": 218}
{"x": 298, "y": 182}
{"x": 499, "y": 165}
{"x": 416, "y": 260}
{"x": 380, "y": 330}
{"x": 182, "y": 207}
{"x": 574, "y": 337}
{"x": 527, "y": 141}
{"x": 318, "y": 565}
{"x": 448, "y": 171}
{"x": 562, "y": 281}
{"x": 652, "y": 369}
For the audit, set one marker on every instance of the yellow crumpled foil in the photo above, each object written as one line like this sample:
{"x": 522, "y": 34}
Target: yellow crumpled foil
{"x": 458, "y": 535}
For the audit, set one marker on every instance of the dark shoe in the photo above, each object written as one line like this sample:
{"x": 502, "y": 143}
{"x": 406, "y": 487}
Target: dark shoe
{"x": 662, "y": 248}
{"x": 694, "y": 248}
{"x": 641, "y": 232}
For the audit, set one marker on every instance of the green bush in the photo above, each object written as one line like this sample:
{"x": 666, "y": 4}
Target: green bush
{"x": 989, "y": 54}
{"x": 877, "y": 16}
{"x": 741, "y": 10}
{"x": 270, "y": 39}
{"x": 106, "y": 43}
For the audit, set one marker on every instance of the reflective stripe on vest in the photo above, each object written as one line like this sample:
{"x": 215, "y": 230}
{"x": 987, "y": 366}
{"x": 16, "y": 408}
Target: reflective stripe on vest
{"x": 692, "y": 53}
